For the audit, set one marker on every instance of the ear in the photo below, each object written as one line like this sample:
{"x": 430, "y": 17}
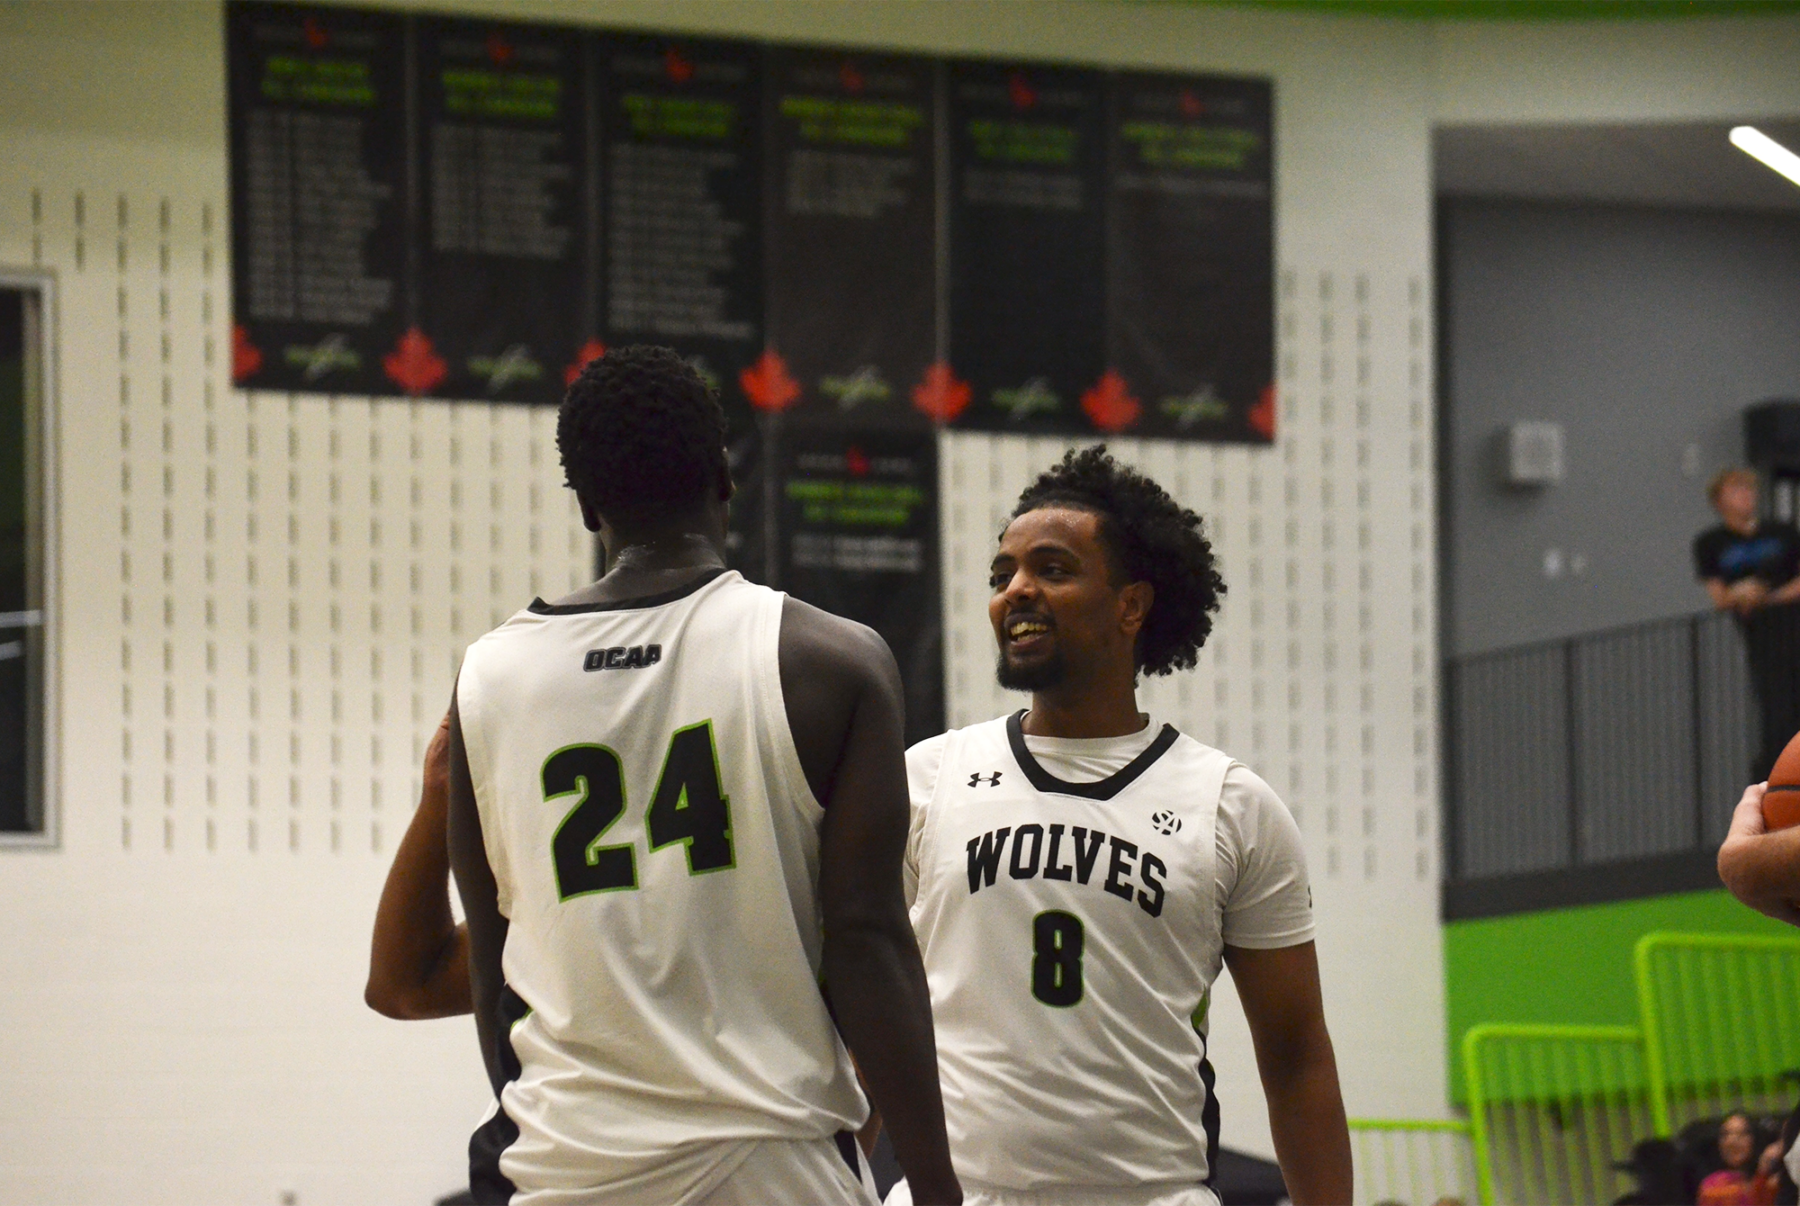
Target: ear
{"x": 1135, "y": 599}
{"x": 590, "y": 518}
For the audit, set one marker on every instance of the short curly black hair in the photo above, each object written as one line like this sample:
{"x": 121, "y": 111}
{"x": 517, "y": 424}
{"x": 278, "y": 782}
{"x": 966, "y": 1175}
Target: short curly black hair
{"x": 1152, "y": 538}
{"x": 641, "y": 435}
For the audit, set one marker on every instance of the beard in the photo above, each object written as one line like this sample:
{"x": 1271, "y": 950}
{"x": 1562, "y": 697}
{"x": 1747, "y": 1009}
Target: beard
{"x": 1039, "y": 676}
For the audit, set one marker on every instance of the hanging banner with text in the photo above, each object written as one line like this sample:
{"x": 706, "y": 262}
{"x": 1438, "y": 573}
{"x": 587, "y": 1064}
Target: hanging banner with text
{"x": 461, "y": 208}
{"x": 859, "y": 537}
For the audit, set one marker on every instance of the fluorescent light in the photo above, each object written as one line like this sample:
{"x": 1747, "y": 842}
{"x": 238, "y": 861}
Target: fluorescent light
{"x": 1771, "y": 154}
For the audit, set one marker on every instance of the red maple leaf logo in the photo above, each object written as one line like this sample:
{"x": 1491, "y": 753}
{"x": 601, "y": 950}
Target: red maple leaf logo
{"x": 678, "y": 67}
{"x": 413, "y": 365}
{"x": 246, "y": 357}
{"x": 850, "y": 77}
{"x": 1190, "y": 104}
{"x": 940, "y": 395}
{"x": 856, "y": 461}
{"x": 590, "y": 351}
{"x": 499, "y": 49}
{"x": 1261, "y": 417}
{"x": 315, "y": 34}
{"x": 1023, "y": 94}
{"x": 1109, "y": 405}
{"x": 768, "y": 385}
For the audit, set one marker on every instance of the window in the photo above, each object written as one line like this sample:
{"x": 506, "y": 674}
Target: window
{"x": 27, "y": 797}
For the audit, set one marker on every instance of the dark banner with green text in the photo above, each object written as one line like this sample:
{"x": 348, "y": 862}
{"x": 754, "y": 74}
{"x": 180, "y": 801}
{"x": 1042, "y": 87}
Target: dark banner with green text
{"x": 858, "y": 536}
{"x": 464, "y": 208}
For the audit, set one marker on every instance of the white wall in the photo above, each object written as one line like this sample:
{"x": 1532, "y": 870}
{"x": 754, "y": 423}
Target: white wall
{"x": 182, "y": 1021}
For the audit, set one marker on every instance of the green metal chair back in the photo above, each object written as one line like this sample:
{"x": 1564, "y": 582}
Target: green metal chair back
{"x": 1721, "y": 1015}
{"x": 1553, "y": 1108}
{"x": 1417, "y": 1162}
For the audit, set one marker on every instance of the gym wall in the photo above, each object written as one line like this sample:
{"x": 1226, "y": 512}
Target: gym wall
{"x": 1644, "y": 332}
{"x": 183, "y": 1019}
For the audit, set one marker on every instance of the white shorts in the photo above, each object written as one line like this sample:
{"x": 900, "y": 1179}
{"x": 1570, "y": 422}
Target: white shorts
{"x": 1163, "y": 1194}
{"x": 756, "y": 1172}
{"x": 799, "y": 1172}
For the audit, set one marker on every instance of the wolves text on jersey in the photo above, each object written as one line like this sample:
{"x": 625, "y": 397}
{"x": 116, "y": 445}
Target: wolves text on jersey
{"x": 1039, "y": 851}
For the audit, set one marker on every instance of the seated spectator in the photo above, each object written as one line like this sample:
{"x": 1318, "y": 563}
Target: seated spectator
{"x": 1748, "y": 1175}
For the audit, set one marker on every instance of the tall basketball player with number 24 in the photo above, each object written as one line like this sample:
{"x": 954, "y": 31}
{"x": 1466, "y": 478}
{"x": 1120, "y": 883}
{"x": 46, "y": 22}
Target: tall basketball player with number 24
{"x": 1078, "y": 871}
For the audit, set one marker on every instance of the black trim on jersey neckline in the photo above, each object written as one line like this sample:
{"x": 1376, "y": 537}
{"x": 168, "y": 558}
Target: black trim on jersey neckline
{"x": 1100, "y": 789}
{"x": 541, "y": 608}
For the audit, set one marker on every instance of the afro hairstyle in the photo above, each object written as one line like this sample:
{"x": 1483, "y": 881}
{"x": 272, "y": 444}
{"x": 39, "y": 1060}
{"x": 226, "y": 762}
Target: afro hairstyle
{"x": 1151, "y": 538}
{"x": 642, "y": 436}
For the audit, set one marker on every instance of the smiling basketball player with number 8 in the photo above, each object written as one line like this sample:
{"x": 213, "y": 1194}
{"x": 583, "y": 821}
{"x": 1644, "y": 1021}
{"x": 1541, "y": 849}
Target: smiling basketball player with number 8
{"x": 1078, "y": 872}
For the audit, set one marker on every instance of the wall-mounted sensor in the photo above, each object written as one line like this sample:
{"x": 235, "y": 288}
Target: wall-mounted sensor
{"x": 1534, "y": 454}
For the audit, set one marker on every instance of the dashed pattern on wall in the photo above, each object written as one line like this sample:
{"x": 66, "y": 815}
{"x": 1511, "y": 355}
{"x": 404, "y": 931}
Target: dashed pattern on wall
{"x": 1320, "y": 673}
{"x": 295, "y": 577}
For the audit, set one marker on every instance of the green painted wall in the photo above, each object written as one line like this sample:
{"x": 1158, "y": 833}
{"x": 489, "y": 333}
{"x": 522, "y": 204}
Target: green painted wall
{"x": 1570, "y": 966}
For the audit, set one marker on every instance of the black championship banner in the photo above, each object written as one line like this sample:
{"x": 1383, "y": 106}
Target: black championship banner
{"x": 859, "y": 537}
{"x": 1190, "y": 259}
{"x": 852, "y": 228}
{"x": 318, "y": 139}
{"x": 502, "y": 142}
{"x": 462, "y": 208}
{"x": 681, "y": 165}
{"x": 1027, "y": 243}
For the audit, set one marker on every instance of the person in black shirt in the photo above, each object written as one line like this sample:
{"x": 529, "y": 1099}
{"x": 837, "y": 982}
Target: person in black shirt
{"x": 1751, "y": 567}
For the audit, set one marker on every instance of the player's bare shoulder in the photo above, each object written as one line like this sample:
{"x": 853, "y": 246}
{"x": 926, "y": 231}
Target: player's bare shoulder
{"x": 830, "y": 667}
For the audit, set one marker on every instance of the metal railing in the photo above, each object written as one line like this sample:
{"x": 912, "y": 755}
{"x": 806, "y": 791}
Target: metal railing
{"x": 1602, "y": 748}
{"x": 1554, "y": 1110}
{"x": 1721, "y": 1017}
{"x": 1411, "y": 1160}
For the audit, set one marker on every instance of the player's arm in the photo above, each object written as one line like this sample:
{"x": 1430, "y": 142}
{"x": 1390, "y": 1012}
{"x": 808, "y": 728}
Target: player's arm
{"x": 846, "y": 711}
{"x": 419, "y": 957}
{"x": 1762, "y": 869}
{"x": 1719, "y": 593}
{"x": 1280, "y": 994}
{"x": 480, "y": 896}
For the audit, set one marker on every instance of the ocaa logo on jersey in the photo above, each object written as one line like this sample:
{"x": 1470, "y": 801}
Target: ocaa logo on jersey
{"x": 1165, "y": 822}
{"x": 621, "y": 658}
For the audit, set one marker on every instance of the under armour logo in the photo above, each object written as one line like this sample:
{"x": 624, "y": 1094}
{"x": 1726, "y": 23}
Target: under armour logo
{"x": 1165, "y": 822}
{"x": 992, "y": 780}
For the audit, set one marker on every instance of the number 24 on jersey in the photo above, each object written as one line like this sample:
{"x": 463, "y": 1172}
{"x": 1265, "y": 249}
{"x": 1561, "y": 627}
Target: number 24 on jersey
{"x": 689, "y": 806}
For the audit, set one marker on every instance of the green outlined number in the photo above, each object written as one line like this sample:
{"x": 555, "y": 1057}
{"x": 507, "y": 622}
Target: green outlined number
{"x": 583, "y": 865}
{"x": 690, "y": 805}
{"x": 1057, "y": 939}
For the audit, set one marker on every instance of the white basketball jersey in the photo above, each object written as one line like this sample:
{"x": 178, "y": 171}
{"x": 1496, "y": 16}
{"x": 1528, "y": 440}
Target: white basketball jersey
{"x": 1071, "y": 932}
{"x": 656, "y": 850}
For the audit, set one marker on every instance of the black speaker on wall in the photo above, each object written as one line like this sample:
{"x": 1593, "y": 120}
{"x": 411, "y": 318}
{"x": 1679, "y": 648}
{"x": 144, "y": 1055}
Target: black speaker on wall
{"x": 1772, "y": 435}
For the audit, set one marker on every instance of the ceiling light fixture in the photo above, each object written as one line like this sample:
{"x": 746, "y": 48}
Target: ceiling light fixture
{"x": 1765, "y": 150}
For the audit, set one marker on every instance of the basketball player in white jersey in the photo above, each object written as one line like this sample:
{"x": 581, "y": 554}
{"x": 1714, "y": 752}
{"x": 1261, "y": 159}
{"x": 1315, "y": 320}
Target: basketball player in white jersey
{"x": 676, "y": 805}
{"x": 1078, "y": 872}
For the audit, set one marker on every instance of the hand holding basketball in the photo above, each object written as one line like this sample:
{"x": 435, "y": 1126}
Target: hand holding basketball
{"x": 1781, "y": 802}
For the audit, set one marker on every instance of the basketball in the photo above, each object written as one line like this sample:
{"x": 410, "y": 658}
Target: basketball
{"x": 1781, "y": 806}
